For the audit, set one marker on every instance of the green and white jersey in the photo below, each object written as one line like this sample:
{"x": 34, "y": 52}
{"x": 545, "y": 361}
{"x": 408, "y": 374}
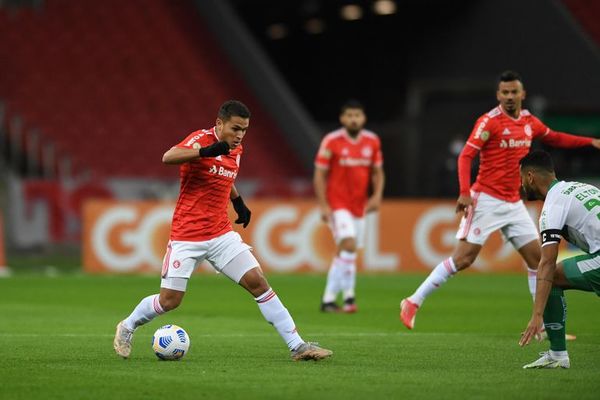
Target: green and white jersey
{"x": 572, "y": 211}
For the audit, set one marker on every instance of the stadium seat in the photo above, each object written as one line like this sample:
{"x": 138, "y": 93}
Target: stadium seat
{"x": 114, "y": 84}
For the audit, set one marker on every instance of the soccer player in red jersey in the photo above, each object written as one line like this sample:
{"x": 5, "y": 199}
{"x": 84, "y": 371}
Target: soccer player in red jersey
{"x": 502, "y": 137}
{"x": 209, "y": 161}
{"x": 349, "y": 159}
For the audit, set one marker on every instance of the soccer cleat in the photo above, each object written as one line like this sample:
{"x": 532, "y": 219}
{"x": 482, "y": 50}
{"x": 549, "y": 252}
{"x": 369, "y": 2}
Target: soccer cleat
{"x": 349, "y": 306}
{"x": 122, "y": 342}
{"x": 310, "y": 351}
{"x": 547, "y": 361}
{"x": 330, "y": 307}
{"x": 408, "y": 312}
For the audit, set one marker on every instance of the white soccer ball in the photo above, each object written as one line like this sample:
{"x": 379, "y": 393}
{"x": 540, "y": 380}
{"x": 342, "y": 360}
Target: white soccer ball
{"x": 170, "y": 342}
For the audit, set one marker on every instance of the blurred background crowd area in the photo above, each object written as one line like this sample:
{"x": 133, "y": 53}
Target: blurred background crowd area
{"x": 92, "y": 93}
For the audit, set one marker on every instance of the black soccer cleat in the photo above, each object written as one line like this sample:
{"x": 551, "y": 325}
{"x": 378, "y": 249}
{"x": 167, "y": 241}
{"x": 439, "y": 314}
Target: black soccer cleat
{"x": 331, "y": 307}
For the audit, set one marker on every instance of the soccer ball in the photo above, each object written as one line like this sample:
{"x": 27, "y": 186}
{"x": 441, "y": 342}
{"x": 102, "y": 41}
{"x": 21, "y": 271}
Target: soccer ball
{"x": 170, "y": 342}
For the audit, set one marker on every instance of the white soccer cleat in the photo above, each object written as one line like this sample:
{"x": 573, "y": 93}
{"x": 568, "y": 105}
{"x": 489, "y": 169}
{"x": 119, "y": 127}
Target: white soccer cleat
{"x": 547, "y": 361}
{"x": 122, "y": 342}
{"x": 310, "y": 351}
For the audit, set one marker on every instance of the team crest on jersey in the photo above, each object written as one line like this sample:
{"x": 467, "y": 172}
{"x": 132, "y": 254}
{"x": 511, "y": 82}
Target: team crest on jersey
{"x": 528, "y": 130}
{"x": 485, "y": 135}
{"x": 366, "y": 152}
{"x": 325, "y": 153}
{"x": 176, "y": 264}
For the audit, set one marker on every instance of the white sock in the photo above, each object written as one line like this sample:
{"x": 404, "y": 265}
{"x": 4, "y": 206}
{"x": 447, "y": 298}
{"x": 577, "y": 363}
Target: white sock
{"x": 439, "y": 275}
{"x": 148, "y": 309}
{"x": 532, "y": 281}
{"x": 333, "y": 281}
{"x": 348, "y": 275}
{"x": 277, "y": 315}
{"x": 559, "y": 354}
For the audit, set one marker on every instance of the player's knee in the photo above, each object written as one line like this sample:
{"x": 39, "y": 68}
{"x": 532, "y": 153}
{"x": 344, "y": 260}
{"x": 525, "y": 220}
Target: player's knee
{"x": 348, "y": 244}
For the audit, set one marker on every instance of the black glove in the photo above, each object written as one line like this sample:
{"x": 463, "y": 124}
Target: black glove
{"x": 242, "y": 211}
{"x": 215, "y": 149}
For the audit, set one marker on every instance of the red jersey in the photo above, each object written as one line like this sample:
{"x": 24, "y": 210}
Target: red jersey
{"x": 349, "y": 162}
{"x": 201, "y": 210}
{"x": 503, "y": 141}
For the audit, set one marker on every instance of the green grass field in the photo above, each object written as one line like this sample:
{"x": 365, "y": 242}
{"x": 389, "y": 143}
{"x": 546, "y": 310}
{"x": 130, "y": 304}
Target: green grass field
{"x": 56, "y": 342}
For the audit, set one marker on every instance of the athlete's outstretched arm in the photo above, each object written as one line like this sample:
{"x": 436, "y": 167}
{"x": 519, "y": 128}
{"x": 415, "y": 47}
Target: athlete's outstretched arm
{"x": 320, "y": 184}
{"x": 545, "y": 279}
{"x": 178, "y": 155}
{"x": 566, "y": 140}
{"x": 378, "y": 182}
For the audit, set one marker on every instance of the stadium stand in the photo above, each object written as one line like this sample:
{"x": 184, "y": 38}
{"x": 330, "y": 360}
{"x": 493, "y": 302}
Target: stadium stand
{"x": 587, "y": 13}
{"x": 113, "y": 84}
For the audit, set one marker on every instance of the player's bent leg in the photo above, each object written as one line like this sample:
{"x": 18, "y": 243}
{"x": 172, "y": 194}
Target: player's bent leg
{"x": 554, "y": 321}
{"x": 566, "y": 276}
{"x": 464, "y": 255}
{"x": 170, "y": 296}
{"x": 244, "y": 269}
{"x": 148, "y": 309}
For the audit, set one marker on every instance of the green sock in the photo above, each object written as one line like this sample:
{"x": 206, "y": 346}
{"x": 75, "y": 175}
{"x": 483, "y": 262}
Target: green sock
{"x": 555, "y": 315}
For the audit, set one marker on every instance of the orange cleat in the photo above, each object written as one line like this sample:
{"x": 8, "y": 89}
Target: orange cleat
{"x": 408, "y": 312}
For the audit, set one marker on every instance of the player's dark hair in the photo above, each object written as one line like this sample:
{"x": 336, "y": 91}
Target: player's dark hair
{"x": 233, "y": 108}
{"x": 509, "y": 76}
{"x": 538, "y": 160}
{"x": 351, "y": 104}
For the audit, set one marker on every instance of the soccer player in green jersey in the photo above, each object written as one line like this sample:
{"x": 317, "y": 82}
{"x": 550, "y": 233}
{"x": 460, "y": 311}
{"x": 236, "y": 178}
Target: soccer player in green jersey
{"x": 572, "y": 212}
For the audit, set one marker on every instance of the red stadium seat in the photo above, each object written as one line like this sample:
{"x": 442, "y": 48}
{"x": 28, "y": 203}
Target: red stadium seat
{"x": 116, "y": 83}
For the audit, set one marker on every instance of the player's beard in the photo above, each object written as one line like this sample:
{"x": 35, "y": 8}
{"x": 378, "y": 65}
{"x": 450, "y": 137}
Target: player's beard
{"x": 531, "y": 194}
{"x": 353, "y": 130}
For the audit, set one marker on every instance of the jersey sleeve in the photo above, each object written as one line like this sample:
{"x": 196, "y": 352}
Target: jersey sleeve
{"x": 377, "y": 158}
{"x": 323, "y": 159}
{"x": 481, "y": 133}
{"x": 188, "y": 142}
{"x": 552, "y": 221}
{"x": 539, "y": 130}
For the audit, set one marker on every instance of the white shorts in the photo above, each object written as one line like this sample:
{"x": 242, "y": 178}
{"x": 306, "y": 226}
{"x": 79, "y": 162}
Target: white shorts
{"x": 345, "y": 225}
{"x": 488, "y": 214}
{"x": 182, "y": 257}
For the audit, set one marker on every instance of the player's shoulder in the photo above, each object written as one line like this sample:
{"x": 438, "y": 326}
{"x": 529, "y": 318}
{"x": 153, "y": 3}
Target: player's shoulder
{"x": 333, "y": 136}
{"x": 493, "y": 113}
{"x": 199, "y": 136}
{"x": 370, "y": 135}
{"x": 528, "y": 115}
